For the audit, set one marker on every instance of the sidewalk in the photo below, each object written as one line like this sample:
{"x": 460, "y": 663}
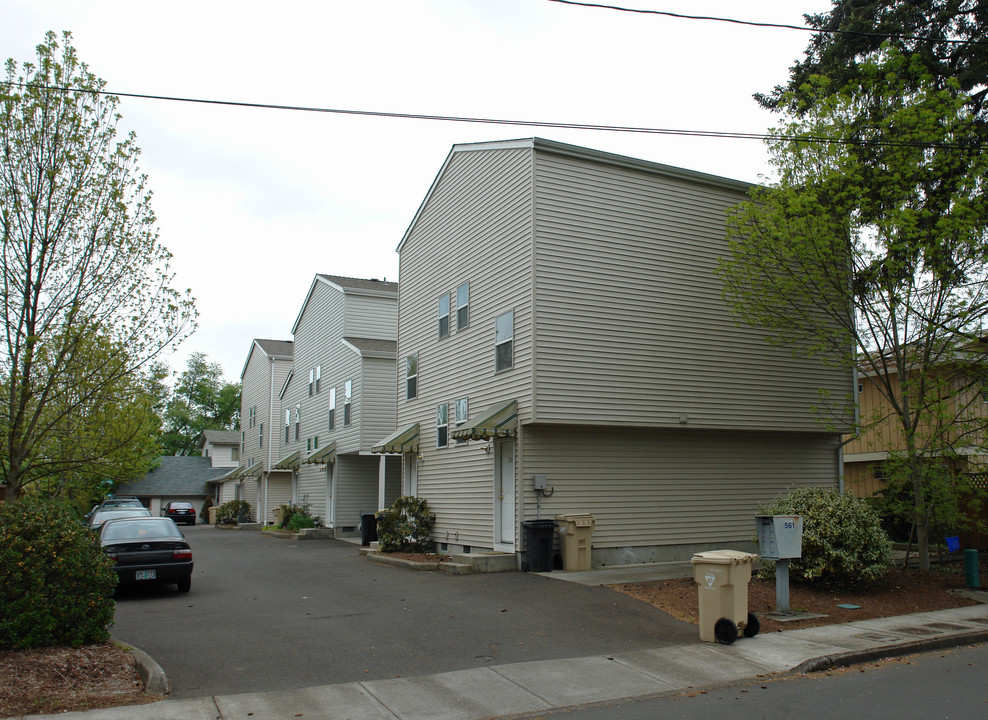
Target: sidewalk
{"x": 536, "y": 687}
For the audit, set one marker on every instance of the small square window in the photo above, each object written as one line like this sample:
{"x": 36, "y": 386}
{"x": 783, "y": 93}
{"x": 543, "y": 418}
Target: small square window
{"x": 444, "y": 315}
{"x": 462, "y": 306}
{"x": 411, "y": 376}
{"x": 442, "y": 426}
{"x": 503, "y": 341}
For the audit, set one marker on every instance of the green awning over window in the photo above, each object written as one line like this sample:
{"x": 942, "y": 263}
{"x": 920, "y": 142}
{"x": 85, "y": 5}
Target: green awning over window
{"x": 289, "y": 462}
{"x": 405, "y": 440}
{"x": 323, "y": 455}
{"x": 255, "y": 470}
{"x": 497, "y": 421}
{"x": 235, "y": 473}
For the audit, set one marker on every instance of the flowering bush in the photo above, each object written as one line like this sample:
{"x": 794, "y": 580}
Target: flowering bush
{"x": 56, "y": 583}
{"x": 843, "y": 539}
{"x": 233, "y": 512}
{"x": 296, "y": 517}
{"x": 405, "y": 526}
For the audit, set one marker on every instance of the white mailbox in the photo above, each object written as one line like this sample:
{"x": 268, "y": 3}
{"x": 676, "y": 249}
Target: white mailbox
{"x": 780, "y": 537}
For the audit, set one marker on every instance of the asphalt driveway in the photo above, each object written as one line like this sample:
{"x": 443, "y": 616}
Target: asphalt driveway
{"x": 268, "y": 614}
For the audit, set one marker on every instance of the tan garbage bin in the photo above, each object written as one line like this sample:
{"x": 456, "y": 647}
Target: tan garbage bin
{"x": 722, "y": 582}
{"x": 212, "y": 515}
{"x": 574, "y": 540}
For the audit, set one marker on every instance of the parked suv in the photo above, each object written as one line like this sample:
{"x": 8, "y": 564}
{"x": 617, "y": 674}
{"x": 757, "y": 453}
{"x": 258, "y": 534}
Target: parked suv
{"x": 180, "y": 512}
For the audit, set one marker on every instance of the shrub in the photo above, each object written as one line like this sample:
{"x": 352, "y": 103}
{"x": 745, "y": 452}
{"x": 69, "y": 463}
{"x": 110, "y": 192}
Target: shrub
{"x": 405, "y": 527}
{"x": 232, "y": 512}
{"x": 295, "y": 517}
{"x": 843, "y": 540}
{"x": 204, "y": 514}
{"x": 56, "y": 583}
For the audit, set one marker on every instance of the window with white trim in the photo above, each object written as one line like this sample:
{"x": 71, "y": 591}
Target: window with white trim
{"x": 251, "y": 416}
{"x": 462, "y": 415}
{"x": 442, "y": 426}
{"x": 312, "y": 381}
{"x": 332, "y": 408}
{"x": 347, "y": 397}
{"x": 298, "y": 421}
{"x": 444, "y": 315}
{"x": 504, "y": 332}
{"x": 463, "y": 306}
{"x": 318, "y": 377}
{"x": 411, "y": 376}
{"x": 260, "y": 435}
{"x": 288, "y": 423}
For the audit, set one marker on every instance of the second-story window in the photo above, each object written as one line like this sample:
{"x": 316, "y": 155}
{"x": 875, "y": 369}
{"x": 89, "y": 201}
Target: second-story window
{"x": 411, "y": 376}
{"x": 298, "y": 421}
{"x": 504, "y": 333}
{"x": 347, "y": 397}
{"x": 312, "y": 382}
{"x": 260, "y": 435}
{"x": 288, "y": 423}
{"x": 462, "y": 306}
{"x": 332, "y": 408}
{"x": 444, "y": 315}
{"x": 252, "y": 416}
{"x": 235, "y": 453}
{"x": 318, "y": 377}
{"x": 442, "y": 426}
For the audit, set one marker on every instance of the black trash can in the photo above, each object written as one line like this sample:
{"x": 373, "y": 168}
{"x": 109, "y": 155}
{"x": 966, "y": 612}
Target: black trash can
{"x": 538, "y": 544}
{"x": 368, "y": 528}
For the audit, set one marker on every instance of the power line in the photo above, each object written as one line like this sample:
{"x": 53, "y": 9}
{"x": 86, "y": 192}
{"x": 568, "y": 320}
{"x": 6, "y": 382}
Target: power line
{"x": 782, "y": 26}
{"x": 731, "y": 135}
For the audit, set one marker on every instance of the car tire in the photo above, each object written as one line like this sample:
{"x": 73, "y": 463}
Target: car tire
{"x": 185, "y": 584}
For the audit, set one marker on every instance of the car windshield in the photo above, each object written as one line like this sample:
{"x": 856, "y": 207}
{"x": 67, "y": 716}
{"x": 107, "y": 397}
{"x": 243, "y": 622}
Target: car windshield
{"x": 140, "y": 529}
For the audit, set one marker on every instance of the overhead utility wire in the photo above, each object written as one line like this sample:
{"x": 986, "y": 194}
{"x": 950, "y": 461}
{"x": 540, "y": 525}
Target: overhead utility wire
{"x": 502, "y": 121}
{"x": 752, "y": 23}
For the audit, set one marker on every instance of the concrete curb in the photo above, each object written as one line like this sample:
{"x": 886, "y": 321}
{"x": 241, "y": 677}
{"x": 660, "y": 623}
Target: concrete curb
{"x": 401, "y": 562}
{"x": 852, "y": 657}
{"x": 152, "y": 675}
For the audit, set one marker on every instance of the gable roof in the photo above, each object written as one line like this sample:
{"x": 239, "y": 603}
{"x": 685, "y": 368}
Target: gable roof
{"x": 219, "y": 437}
{"x": 274, "y": 349}
{"x": 357, "y": 286}
{"x": 574, "y": 151}
{"x": 176, "y": 475}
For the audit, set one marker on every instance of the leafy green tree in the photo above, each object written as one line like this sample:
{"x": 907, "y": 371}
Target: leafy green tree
{"x": 200, "y": 401}
{"x": 82, "y": 269}
{"x": 874, "y": 239}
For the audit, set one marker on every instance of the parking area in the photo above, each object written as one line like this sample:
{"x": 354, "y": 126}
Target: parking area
{"x": 267, "y": 614}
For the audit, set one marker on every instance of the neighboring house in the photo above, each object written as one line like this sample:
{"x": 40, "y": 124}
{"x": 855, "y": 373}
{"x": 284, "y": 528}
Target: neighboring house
{"x": 177, "y": 477}
{"x": 560, "y": 320}
{"x": 255, "y": 479}
{"x": 222, "y": 447}
{"x": 865, "y": 455}
{"x": 340, "y": 398}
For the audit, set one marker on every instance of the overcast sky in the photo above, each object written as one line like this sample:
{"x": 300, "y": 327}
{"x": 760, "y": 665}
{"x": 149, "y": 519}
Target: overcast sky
{"x": 253, "y": 202}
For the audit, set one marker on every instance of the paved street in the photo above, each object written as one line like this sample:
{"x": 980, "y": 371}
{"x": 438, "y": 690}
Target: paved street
{"x": 272, "y": 614}
{"x": 938, "y": 684}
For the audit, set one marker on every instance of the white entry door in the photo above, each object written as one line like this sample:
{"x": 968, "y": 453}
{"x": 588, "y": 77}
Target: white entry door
{"x": 411, "y": 475}
{"x": 504, "y": 496}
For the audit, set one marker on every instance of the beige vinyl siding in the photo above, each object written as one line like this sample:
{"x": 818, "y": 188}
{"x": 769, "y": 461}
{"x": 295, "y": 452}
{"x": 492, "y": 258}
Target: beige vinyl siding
{"x": 255, "y": 392}
{"x": 670, "y": 487}
{"x": 371, "y": 316}
{"x": 313, "y": 485}
{"x": 377, "y": 401}
{"x": 631, "y": 325}
{"x": 227, "y": 491}
{"x": 251, "y": 495}
{"x": 348, "y": 437}
{"x": 475, "y": 227}
{"x": 279, "y": 492}
{"x": 357, "y": 486}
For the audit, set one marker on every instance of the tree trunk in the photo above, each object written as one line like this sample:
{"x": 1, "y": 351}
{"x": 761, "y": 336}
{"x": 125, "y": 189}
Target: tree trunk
{"x": 922, "y": 523}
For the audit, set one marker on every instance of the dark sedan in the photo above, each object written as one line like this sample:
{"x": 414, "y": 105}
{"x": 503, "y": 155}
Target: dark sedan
{"x": 148, "y": 550}
{"x": 180, "y": 512}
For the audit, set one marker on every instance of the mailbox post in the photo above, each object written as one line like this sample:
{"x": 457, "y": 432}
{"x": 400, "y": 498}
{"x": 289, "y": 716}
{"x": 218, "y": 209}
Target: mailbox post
{"x": 780, "y": 538}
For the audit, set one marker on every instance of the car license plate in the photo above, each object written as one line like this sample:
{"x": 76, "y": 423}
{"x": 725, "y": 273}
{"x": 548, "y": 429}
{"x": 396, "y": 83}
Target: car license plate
{"x": 144, "y": 574}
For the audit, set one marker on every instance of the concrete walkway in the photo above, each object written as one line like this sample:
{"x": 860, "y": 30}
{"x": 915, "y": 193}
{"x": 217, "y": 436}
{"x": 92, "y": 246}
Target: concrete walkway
{"x": 537, "y": 687}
